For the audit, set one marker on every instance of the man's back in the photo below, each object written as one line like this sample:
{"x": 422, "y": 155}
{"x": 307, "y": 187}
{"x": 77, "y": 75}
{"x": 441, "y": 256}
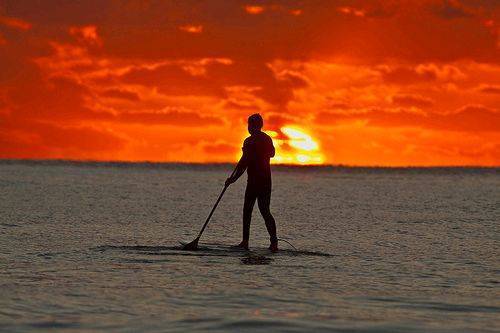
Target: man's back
{"x": 257, "y": 151}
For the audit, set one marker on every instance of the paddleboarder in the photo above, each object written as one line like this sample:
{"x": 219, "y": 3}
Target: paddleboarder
{"x": 258, "y": 149}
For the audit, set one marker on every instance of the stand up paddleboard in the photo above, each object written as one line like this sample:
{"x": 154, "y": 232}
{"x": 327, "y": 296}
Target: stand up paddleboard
{"x": 214, "y": 247}
{"x": 225, "y": 248}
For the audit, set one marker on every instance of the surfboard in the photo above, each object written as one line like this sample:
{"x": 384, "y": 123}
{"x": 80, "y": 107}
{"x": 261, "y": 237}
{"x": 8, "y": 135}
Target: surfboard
{"x": 207, "y": 249}
{"x": 216, "y": 246}
{"x": 225, "y": 248}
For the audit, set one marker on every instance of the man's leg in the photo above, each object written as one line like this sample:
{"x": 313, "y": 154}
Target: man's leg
{"x": 264, "y": 201}
{"x": 250, "y": 198}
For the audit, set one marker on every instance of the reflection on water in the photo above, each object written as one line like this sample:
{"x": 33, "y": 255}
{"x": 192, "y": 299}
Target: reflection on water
{"x": 246, "y": 257}
{"x": 256, "y": 260}
{"x": 90, "y": 248}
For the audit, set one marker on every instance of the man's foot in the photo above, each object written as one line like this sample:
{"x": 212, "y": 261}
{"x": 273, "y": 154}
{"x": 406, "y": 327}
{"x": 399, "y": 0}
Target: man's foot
{"x": 273, "y": 247}
{"x": 243, "y": 245}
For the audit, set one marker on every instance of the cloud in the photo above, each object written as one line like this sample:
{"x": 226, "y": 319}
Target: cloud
{"x": 351, "y": 11}
{"x": 86, "y": 34}
{"x": 448, "y": 9}
{"x": 240, "y": 105}
{"x": 274, "y": 87}
{"x": 220, "y": 148}
{"x": 34, "y": 139}
{"x": 193, "y": 29}
{"x": 121, "y": 94}
{"x": 173, "y": 79}
{"x": 64, "y": 100}
{"x": 148, "y": 31}
{"x": 58, "y": 99}
{"x": 489, "y": 89}
{"x": 428, "y": 72}
{"x": 15, "y": 23}
{"x": 406, "y": 75}
{"x": 412, "y": 100}
{"x": 376, "y": 70}
{"x": 82, "y": 138}
{"x": 174, "y": 118}
{"x": 274, "y": 121}
{"x": 469, "y": 118}
{"x": 216, "y": 78}
{"x": 254, "y": 9}
{"x": 273, "y": 8}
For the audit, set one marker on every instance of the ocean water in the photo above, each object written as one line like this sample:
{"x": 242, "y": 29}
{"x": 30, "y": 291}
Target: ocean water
{"x": 95, "y": 248}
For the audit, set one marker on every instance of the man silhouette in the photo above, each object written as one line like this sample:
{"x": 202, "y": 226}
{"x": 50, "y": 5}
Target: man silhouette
{"x": 257, "y": 150}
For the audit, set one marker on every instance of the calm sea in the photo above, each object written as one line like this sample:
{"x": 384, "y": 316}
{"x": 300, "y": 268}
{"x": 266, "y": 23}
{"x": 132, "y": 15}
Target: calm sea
{"x": 93, "y": 247}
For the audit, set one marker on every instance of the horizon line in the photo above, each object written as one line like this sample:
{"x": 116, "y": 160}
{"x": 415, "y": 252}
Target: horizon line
{"x": 326, "y": 165}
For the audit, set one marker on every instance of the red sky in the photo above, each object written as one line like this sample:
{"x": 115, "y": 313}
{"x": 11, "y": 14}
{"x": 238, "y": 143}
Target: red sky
{"x": 371, "y": 82}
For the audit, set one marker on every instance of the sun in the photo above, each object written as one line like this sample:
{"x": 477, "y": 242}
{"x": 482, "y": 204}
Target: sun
{"x": 295, "y": 146}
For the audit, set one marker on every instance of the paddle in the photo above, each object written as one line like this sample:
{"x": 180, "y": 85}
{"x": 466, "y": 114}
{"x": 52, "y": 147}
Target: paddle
{"x": 194, "y": 244}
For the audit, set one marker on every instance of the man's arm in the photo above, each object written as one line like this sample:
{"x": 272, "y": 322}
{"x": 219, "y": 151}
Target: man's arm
{"x": 240, "y": 169}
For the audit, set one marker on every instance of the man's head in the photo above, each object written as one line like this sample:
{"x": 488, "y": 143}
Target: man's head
{"x": 255, "y": 123}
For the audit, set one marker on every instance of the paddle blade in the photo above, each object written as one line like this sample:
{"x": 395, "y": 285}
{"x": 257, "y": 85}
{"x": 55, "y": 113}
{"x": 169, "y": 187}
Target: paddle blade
{"x": 193, "y": 246}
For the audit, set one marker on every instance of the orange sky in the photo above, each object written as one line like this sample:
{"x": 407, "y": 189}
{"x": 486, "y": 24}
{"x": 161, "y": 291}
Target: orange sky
{"x": 367, "y": 82}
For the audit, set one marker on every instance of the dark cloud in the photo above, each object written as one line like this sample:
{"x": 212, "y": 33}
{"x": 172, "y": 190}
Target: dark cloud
{"x": 233, "y": 104}
{"x": 174, "y": 79}
{"x": 489, "y": 89}
{"x": 220, "y": 148}
{"x": 121, "y": 94}
{"x": 388, "y": 29}
{"x": 275, "y": 121}
{"x": 15, "y": 23}
{"x": 407, "y": 75}
{"x": 412, "y": 100}
{"x": 451, "y": 10}
{"x": 36, "y": 139}
{"x": 82, "y": 138}
{"x": 63, "y": 100}
{"x": 422, "y": 73}
{"x": 470, "y": 118}
{"x": 176, "y": 118}
{"x": 56, "y": 99}
{"x": 16, "y": 69}
{"x": 73, "y": 57}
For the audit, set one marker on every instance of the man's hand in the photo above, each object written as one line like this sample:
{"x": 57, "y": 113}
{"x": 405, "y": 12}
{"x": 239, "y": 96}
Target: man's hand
{"x": 229, "y": 181}
{"x": 238, "y": 171}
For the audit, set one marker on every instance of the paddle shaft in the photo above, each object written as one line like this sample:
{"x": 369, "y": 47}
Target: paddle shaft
{"x": 215, "y": 206}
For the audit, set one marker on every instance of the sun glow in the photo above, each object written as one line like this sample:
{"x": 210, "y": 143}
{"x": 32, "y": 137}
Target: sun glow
{"x": 295, "y": 146}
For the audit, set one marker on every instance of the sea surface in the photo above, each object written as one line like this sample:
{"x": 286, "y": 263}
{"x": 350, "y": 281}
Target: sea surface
{"x": 94, "y": 247}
